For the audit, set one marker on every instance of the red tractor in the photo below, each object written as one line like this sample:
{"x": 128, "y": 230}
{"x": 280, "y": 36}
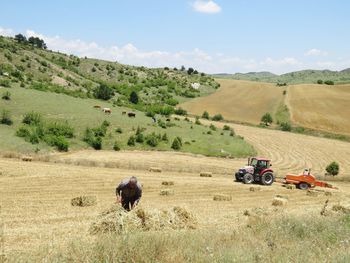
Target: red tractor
{"x": 257, "y": 171}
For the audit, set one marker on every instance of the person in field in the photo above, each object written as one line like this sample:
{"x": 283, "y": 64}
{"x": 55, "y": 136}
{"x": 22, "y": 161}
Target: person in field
{"x": 129, "y": 193}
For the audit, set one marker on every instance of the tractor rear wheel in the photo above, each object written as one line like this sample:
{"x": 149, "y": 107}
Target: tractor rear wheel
{"x": 248, "y": 178}
{"x": 303, "y": 186}
{"x": 267, "y": 178}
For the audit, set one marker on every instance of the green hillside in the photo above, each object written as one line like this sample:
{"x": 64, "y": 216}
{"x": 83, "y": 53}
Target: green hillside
{"x": 297, "y": 77}
{"x": 50, "y": 105}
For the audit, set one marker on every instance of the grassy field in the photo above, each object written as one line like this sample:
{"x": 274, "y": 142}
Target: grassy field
{"x": 238, "y": 100}
{"x": 80, "y": 114}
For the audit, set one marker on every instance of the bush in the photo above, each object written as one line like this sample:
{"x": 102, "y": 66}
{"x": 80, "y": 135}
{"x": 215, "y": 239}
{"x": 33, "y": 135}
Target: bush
{"x": 177, "y": 144}
{"x": 5, "y": 83}
{"x": 320, "y": 81}
{"x": 172, "y": 102}
{"x": 116, "y": 146}
{"x": 226, "y": 128}
{"x": 198, "y": 122}
{"x": 60, "y": 129}
{"x": 6, "y": 118}
{"x": 333, "y": 168}
{"x": 180, "y": 111}
{"x": 139, "y": 138}
{"x": 165, "y": 137}
{"x": 23, "y": 132}
{"x": 103, "y": 92}
{"x": 285, "y": 126}
{"x": 32, "y": 118}
{"x": 131, "y": 140}
{"x": 212, "y": 127}
{"x": 6, "y": 95}
{"x": 161, "y": 124}
{"x": 205, "y": 115}
{"x": 60, "y": 142}
{"x": 152, "y": 139}
{"x": 218, "y": 117}
{"x": 267, "y": 118}
{"x": 329, "y": 82}
{"x": 134, "y": 98}
{"x": 119, "y": 130}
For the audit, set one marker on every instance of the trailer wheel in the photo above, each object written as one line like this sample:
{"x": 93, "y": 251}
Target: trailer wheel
{"x": 248, "y": 178}
{"x": 303, "y": 186}
{"x": 267, "y": 179}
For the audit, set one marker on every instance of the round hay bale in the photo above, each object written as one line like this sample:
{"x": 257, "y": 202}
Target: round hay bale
{"x": 221, "y": 197}
{"x": 84, "y": 201}
{"x": 206, "y": 174}
{"x": 27, "y": 158}
{"x": 168, "y": 183}
{"x": 311, "y": 193}
{"x": 155, "y": 169}
{"x": 166, "y": 192}
{"x": 254, "y": 188}
{"x": 290, "y": 186}
{"x": 279, "y": 201}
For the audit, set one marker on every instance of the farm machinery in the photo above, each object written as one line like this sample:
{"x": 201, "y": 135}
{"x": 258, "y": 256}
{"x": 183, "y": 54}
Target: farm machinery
{"x": 256, "y": 171}
{"x": 305, "y": 181}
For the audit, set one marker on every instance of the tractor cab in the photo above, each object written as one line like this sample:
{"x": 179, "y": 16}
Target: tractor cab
{"x": 258, "y": 170}
{"x": 259, "y": 164}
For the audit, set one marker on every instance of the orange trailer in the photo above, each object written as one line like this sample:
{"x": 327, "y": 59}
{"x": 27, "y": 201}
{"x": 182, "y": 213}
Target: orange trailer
{"x": 305, "y": 181}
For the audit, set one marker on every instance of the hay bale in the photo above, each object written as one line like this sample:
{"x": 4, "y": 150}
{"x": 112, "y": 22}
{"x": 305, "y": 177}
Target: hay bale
{"x": 27, "y": 158}
{"x": 206, "y": 174}
{"x": 84, "y": 201}
{"x": 166, "y": 192}
{"x": 155, "y": 169}
{"x": 311, "y": 193}
{"x": 340, "y": 208}
{"x": 221, "y": 197}
{"x": 279, "y": 201}
{"x": 168, "y": 183}
{"x": 254, "y": 188}
{"x": 117, "y": 220}
{"x": 290, "y": 186}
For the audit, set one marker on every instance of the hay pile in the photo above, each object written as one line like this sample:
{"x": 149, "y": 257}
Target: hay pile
{"x": 168, "y": 183}
{"x": 221, "y": 197}
{"x": 117, "y": 220}
{"x": 277, "y": 201}
{"x": 155, "y": 169}
{"x": 254, "y": 188}
{"x": 206, "y": 174}
{"x": 340, "y": 208}
{"x": 84, "y": 200}
{"x": 166, "y": 192}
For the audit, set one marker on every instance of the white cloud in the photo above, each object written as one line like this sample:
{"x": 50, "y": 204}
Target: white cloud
{"x": 316, "y": 52}
{"x": 209, "y": 7}
{"x": 211, "y": 63}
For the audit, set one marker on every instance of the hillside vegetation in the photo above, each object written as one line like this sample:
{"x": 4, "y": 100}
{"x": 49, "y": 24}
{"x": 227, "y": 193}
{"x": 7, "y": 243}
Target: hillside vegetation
{"x": 297, "y": 77}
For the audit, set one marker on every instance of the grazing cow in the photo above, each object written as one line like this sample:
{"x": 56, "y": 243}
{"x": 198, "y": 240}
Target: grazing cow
{"x": 132, "y": 114}
{"x": 97, "y": 107}
{"x": 124, "y": 113}
{"x": 107, "y": 110}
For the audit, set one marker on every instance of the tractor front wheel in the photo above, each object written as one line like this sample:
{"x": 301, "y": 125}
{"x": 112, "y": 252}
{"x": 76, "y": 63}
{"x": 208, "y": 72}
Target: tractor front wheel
{"x": 248, "y": 178}
{"x": 303, "y": 186}
{"x": 267, "y": 179}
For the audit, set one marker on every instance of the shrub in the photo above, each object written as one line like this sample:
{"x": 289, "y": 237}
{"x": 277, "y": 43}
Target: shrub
{"x": 177, "y": 144}
{"x": 152, "y": 139}
{"x": 161, "y": 124}
{"x": 320, "y": 81}
{"x": 6, "y": 95}
{"x": 134, "y": 98}
{"x": 172, "y": 102}
{"x": 232, "y": 133}
{"x": 267, "y": 118}
{"x": 6, "y": 118}
{"x": 165, "y": 137}
{"x": 32, "y": 118}
{"x": 218, "y": 117}
{"x": 139, "y": 138}
{"x": 116, "y": 146}
{"x": 212, "y": 127}
{"x": 103, "y": 92}
{"x": 209, "y": 132}
{"x": 5, "y": 83}
{"x": 205, "y": 115}
{"x": 180, "y": 111}
{"x": 131, "y": 140}
{"x": 329, "y": 82}
{"x": 23, "y": 131}
{"x": 285, "y": 126}
{"x": 226, "y": 128}
{"x": 60, "y": 142}
{"x": 60, "y": 129}
{"x": 119, "y": 130}
{"x": 333, "y": 168}
{"x": 198, "y": 122}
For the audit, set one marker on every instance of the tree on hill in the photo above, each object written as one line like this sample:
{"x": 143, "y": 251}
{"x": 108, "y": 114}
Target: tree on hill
{"x": 20, "y": 38}
{"x": 190, "y": 71}
{"x": 320, "y": 81}
{"x": 37, "y": 42}
{"x": 333, "y": 168}
{"x": 134, "y": 98}
{"x": 205, "y": 115}
{"x": 267, "y": 118}
{"x": 103, "y": 92}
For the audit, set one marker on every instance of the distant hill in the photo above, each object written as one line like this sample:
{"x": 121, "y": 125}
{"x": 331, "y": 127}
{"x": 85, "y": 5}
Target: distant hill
{"x": 298, "y": 77}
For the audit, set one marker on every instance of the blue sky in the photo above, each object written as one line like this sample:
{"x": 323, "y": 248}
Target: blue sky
{"x": 212, "y": 36}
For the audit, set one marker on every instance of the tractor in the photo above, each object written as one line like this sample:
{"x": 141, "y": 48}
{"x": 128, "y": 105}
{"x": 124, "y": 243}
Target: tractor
{"x": 257, "y": 171}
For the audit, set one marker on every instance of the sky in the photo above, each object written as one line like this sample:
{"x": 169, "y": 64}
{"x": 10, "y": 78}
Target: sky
{"x": 217, "y": 36}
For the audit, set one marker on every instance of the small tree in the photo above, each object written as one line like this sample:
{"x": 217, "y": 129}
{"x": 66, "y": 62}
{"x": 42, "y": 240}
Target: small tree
{"x": 165, "y": 137}
{"x": 190, "y": 71}
{"x": 285, "y": 126}
{"x": 218, "y": 117}
{"x": 267, "y": 118}
{"x": 131, "y": 140}
{"x": 134, "y": 98}
{"x": 177, "y": 144}
{"x": 116, "y": 146}
{"x": 103, "y": 92}
{"x": 205, "y": 115}
{"x": 333, "y": 168}
{"x": 152, "y": 139}
{"x": 20, "y": 38}
{"x": 329, "y": 82}
{"x": 320, "y": 81}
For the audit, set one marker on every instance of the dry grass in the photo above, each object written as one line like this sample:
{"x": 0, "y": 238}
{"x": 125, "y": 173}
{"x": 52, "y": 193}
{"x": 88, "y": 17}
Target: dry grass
{"x": 221, "y": 197}
{"x": 84, "y": 201}
{"x": 277, "y": 201}
{"x": 155, "y": 169}
{"x": 254, "y": 188}
{"x": 206, "y": 174}
{"x": 166, "y": 192}
{"x": 168, "y": 183}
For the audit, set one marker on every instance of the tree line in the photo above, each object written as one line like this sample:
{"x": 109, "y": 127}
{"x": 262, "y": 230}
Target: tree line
{"x": 34, "y": 41}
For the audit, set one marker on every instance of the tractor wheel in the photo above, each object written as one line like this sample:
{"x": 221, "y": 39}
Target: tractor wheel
{"x": 303, "y": 186}
{"x": 267, "y": 179}
{"x": 248, "y": 178}
{"x": 238, "y": 179}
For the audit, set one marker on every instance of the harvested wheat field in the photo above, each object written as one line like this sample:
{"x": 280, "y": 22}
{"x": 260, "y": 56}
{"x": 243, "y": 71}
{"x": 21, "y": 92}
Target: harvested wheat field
{"x": 243, "y": 101}
{"x": 320, "y": 107}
